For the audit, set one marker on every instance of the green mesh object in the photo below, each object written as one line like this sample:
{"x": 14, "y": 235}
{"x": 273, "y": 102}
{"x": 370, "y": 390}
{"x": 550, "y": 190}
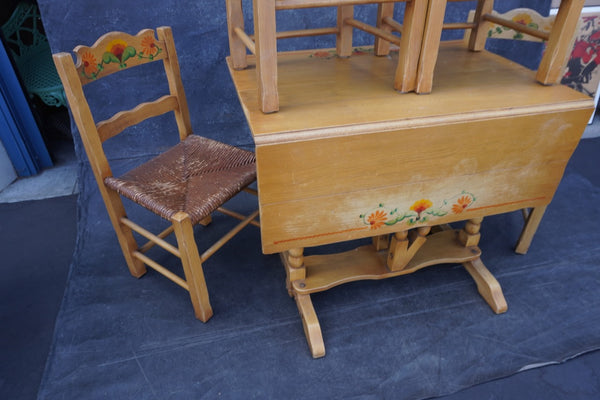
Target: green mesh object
{"x": 29, "y": 46}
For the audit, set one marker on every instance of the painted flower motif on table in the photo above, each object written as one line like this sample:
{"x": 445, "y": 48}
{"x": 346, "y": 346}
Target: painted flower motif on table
{"x": 377, "y": 219}
{"x": 461, "y": 204}
{"x": 420, "y": 206}
{"x": 420, "y": 211}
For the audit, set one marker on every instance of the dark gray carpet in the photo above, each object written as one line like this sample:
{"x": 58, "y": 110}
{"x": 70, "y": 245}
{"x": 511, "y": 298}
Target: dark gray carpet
{"x": 37, "y": 245}
{"x": 416, "y": 336}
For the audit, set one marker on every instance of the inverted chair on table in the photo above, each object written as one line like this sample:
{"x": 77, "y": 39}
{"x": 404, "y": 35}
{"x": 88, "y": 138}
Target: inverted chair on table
{"x": 263, "y": 44}
{"x": 183, "y": 185}
{"x": 556, "y": 31}
{"x": 558, "y": 39}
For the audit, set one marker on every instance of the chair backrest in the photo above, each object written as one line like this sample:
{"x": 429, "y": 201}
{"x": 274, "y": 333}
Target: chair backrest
{"x": 530, "y": 25}
{"x": 114, "y": 52}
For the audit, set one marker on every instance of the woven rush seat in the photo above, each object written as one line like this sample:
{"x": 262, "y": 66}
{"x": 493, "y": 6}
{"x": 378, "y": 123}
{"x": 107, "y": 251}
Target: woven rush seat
{"x": 196, "y": 176}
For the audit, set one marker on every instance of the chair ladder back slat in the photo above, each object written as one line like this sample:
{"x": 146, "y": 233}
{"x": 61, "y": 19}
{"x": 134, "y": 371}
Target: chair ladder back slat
{"x": 116, "y": 51}
{"x": 171, "y": 64}
{"x": 124, "y": 119}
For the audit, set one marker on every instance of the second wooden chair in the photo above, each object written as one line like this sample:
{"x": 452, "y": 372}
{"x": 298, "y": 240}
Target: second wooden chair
{"x": 183, "y": 185}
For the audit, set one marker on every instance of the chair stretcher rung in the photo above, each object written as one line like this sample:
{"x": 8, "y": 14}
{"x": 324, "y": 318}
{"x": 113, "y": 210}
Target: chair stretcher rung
{"x": 236, "y": 215}
{"x": 152, "y": 237}
{"x": 251, "y": 191}
{"x": 211, "y": 250}
{"x": 373, "y": 30}
{"x": 392, "y": 23}
{"x": 247, "y": 40}
{"x": 161, "y": 270}
{"x": 295, "y": 4}
{"x": 161, "y": 235}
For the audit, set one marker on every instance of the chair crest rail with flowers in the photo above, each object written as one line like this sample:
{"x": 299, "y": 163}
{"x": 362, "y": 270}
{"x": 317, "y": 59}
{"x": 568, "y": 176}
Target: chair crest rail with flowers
{"x": 183, "y": 185}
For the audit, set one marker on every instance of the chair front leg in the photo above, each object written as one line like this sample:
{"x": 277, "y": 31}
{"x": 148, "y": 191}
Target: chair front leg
{"x": 192, "y": 266}
{"x": 128, "y": 244}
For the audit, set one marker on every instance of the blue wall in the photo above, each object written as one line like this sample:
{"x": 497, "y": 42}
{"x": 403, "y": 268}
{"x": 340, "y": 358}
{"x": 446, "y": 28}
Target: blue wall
{"x": 200, "y": 31}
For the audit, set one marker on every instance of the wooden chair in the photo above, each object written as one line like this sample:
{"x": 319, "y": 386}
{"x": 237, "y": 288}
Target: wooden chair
{"x": 183, "y": 185}
{"x": 487, "y": 23}
{"x": 558, "y": 47}
{"x": 264, "y": 42}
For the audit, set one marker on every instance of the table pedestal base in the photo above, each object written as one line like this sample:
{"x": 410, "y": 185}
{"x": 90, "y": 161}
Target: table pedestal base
{"x": 311, "y": 274}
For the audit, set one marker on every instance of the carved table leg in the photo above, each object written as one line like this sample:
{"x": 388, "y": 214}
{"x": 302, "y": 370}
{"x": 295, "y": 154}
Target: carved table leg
{"x": 487, "y": 285}
{"x": 293, "y": 260}
{"x": 295, "y": 268}
{"x": 310, "y": 322}
{"x": 403, "y": 249}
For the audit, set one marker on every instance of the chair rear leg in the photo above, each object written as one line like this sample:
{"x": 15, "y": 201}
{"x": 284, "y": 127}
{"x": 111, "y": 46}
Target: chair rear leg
{"x": 128, "y": 244}
{"x": 192, "y": 266}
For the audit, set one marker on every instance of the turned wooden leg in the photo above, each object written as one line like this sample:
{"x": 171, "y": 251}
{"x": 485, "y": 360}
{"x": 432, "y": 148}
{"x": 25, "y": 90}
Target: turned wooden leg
{"x": 397, "y": 250}
{"x": 310, "y": 322}
{"x": 532, "y": 222}
{"x": 294, "y": 267}
{"x": 469, "y": 235}
{"x": 403, "y": 249}
{"x": 487, "y": 285}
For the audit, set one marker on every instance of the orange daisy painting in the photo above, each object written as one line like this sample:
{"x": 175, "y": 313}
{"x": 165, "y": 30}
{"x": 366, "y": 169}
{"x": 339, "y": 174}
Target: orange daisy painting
{"x": 461, "y": 204}
{"x": 377, "y": 219}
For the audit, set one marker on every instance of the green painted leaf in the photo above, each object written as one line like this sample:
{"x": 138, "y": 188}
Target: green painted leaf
{"x": 128, "y": 52}
{"x": 108, "y": 58}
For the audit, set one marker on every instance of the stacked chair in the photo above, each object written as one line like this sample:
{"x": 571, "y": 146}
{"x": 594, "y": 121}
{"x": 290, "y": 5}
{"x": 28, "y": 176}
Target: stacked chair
{"x": 558, "y": 39}
{"x": 263, "y": 44}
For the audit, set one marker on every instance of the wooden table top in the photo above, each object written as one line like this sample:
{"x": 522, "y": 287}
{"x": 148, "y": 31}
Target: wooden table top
{"x": 322, "y": 95}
